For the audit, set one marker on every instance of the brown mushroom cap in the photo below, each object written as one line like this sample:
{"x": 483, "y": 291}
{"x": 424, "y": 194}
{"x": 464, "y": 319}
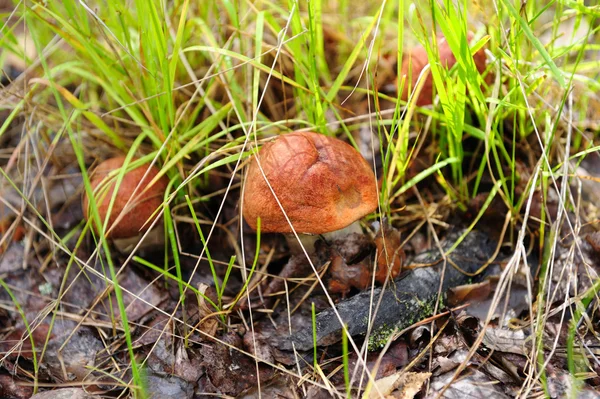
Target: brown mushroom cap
{"x": 322, "y": 183}
{"x": 141, "y": 207}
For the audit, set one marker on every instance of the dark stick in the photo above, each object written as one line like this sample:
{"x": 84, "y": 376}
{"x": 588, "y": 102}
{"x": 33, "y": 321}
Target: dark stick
{"x": 406, "y": 300}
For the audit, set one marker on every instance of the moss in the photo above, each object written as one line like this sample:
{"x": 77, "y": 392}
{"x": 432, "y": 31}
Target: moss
{"x": 378, "y": 338}
{"x": 45, "y": 289}
{"x": 428, "y": 306}
{"x": 442, "y": 302}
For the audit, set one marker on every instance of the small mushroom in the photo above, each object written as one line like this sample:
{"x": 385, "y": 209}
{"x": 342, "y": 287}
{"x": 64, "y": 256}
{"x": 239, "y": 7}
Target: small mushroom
{"x": 416, "y": 60}
{"x": 324, "y": 185}
{"x": 134, "y": 213}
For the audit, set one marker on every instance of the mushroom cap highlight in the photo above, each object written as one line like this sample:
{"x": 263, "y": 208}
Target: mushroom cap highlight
{"x": 323, "y": 185}
{"x": 141, "y": 206}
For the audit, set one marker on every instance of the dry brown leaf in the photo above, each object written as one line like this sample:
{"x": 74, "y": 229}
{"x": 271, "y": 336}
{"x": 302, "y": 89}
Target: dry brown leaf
{"x": 208, "y": 323}
{"x": 401, "y": 385}
{"x": 390, "y": 255}
{"x": 503, "y": 339}
{"x": 470, "y": 292}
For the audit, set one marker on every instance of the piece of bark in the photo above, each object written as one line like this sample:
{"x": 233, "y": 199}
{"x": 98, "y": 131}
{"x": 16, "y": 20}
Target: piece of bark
{"x": 405, "y": 301}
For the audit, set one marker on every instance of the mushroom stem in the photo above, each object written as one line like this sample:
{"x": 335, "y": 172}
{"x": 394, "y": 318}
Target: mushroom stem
{"x": 297, "y": 263}
{"x": 342, "y": 233}
{"x": 155, "y": 239}
{"x": 308, "y": 240}
{"x": 304, "y": 240}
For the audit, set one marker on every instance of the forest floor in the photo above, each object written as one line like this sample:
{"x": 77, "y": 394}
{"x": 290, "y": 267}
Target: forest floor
{"x": 473, "y": 275}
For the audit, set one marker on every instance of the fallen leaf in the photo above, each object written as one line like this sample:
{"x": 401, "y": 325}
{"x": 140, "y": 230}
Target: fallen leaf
{"x": 390, "y": 255}
{"x": 411, "y": 385}
{"x": 405, "y": 385}
{"x": 469, "y": 293}
{"x": 473, "y": 384}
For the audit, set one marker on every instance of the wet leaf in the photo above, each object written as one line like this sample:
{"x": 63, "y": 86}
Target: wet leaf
{"x": 344, "y": 277}
{"x": 468, "y": 293}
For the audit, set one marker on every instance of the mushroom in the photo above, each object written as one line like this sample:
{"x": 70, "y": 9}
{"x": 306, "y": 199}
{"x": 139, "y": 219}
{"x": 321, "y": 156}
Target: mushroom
{"x": 416, "y": 60}
{"x": 134, "y": 213}
{"x": 324, "y": 185}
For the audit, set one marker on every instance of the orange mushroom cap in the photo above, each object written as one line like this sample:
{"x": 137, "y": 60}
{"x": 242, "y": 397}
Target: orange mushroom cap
{"x": 323, "y": 185}
{"x": 141, "y": 206}
{"x": 416, "y": 60}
